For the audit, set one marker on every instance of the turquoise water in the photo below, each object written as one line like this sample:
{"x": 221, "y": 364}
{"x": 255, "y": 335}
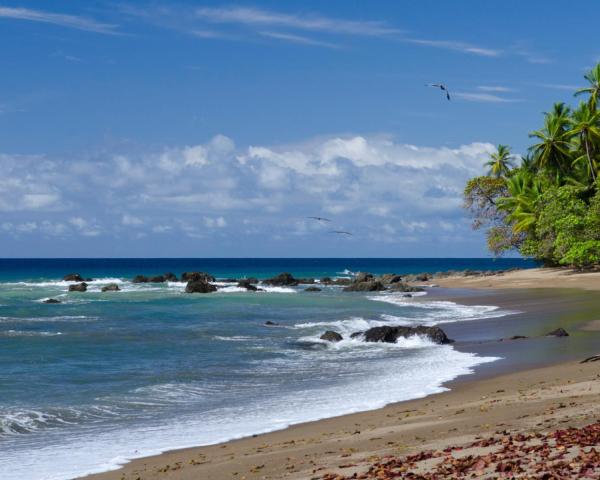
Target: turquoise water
{"x": 105, "y": 377}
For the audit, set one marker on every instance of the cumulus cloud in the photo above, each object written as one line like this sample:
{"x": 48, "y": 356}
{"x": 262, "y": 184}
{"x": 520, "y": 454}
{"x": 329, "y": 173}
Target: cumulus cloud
{"x": 380, "y": 189}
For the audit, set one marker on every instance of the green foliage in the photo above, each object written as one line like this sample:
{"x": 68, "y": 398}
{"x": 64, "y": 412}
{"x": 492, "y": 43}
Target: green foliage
{"x": 548, "y": 207}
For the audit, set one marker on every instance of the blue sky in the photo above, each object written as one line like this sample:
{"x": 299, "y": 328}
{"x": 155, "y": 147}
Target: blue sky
{"x": 214, "y": 128}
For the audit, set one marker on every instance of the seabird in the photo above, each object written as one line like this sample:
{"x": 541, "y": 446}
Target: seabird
{"x": 441, "y": 86}
{"x": 320, "y": 219}
{"x": 341, "y": 232}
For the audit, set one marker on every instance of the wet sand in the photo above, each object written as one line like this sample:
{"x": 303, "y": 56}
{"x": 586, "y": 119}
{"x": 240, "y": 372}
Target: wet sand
{"x": 538, "y": 387}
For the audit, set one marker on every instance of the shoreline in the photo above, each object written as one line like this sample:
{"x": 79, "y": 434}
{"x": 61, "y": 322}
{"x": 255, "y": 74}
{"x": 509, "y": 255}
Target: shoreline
{"x": 268, "y": 455}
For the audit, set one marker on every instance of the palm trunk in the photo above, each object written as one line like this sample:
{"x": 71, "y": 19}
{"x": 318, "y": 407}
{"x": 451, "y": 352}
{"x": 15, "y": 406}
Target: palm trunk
{"x": 587, "y": 152}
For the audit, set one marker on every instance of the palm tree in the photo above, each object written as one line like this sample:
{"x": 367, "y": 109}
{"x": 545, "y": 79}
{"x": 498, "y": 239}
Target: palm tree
{"x": 500, "y": 161}
{"x": 552, "y": 149}
{"x": 585, "y": 128}
{"x": 524, "y": 191}
{"x": 593, "y": 77}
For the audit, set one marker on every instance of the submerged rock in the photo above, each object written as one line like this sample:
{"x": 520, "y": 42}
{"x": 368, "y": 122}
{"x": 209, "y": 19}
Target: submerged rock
{"x": 157, "y": 279}
{"x": 312, "y": 289}
{"x": 405, "y": 287}
{"x": 331, "y": 336}
{"x": 73, "y": 277}
{"x": 389, "y": 334}
{"x": 111, "y": 287}
{"x": 559, "y": 332}
{"x": 199, "y": 286}
{"x": 284, "y": 279}
{"x": 78, "y": 287}
{"x": 51, "y": 300}
{"x": 140, "y": 279}
{"x": 269, "y": 323}
{"x": 197, "y": 276}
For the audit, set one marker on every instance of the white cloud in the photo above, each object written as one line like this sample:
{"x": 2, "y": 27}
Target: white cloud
{"x": 70, "y": 21}
{"x": 494, "y": 88}
{"x": 483, "y": 97}
{"x": 456, "y": 46}
{"x": 288, "y": 37}
{"x": 358, "y": 181}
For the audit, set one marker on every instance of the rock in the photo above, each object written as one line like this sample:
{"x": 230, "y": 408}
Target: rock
{"x": 51, "y": 300}
{"x": 308, "y": 281}
{"x": 312, "y": 289}
{"x": 230, "y": 280}
{"x": 559, "y": 332}
{"x": 197, "y": 276}
{"x": 247, "y": 285}
{"x": 199, "y": 286}
{"x": 157, "y": 279}
{"x": 593, "y": 358}
{"x": 326, "y": 280}
{"x": 422, "y": 277}
{"x": 281, "y": 280}
{"x": 251, "y": 280}
{"x": 170, "y": 277}
{"x": 404, "y": 287}
{"x": 78, "y": 287}
{"x": 389, "y": 334}
{"x": 518, "y": 337}
{"x": 389, "y": 278}
{"x": 73, "y": 277}
{"x": 368, "y": 286}
{"x": 331, "y": 336}
{"x": 362, "y": 277}
{"x": 111, "y": 287}
{"x": 269, "y": 323}
{"x": 140, "y": 279}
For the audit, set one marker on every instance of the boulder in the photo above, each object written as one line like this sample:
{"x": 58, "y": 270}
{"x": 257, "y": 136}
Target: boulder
{"x": 422, "y": 277}
{"x": 197, "y": 276}
{"x": 51, "y": 300}
{"x": 269, "y": 323}
{"x": 73, "y": 277}
{"x": 312, "y": 289}
{"x": 282, "y": 280}
{"x": 229, "y": 280}
{"x": 199, "y": 286}
{"x": 559, "y": 332}
{"x": 251, "y": 280}
{"x": 331, "y": 336}
{"x": 157, "y": 279}
{"x": 170, "y": 277}
{"x": 140, "y": 279}
{"x": 518, "y": 337}
{"x": 368, "y": 286}
{"x": 389, "y": 278}
{"x": 111, "y": 287}
{"x": 247, "y": 285}
{"x": 78, "y": 287}
{"x": 308, "y": 281}
{"x": 326, "y": 280}
{"x": 389, "y": 334}
{"x": 404, "y": 287}
{"x": 362, "y": 277}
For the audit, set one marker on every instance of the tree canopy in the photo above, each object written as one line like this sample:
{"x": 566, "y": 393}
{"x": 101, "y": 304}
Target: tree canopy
{"x": 546, "y": 205}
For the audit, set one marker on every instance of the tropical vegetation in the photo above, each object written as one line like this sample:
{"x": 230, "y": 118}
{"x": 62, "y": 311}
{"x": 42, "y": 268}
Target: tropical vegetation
{"x": 546, "y": 205}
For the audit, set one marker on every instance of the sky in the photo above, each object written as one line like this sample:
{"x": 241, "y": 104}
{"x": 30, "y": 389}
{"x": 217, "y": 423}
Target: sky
{"x": 213, "y": 129}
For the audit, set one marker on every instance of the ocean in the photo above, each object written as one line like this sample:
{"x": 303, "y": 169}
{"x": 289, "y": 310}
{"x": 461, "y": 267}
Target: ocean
{"x": 101, "y": 378}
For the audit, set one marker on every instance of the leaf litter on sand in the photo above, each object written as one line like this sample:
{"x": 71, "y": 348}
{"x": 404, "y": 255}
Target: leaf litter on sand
{"x": 558, "y": 455}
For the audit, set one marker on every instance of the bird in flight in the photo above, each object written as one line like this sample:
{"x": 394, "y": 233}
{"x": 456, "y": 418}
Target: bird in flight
{"x": 341, "y": 232}
{"x": 320, "y": 219}
{"x": 441, "y": 86}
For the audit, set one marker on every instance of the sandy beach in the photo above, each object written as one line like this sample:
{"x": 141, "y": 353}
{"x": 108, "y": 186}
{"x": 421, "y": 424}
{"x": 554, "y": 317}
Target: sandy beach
{"x": 531, "y": 402}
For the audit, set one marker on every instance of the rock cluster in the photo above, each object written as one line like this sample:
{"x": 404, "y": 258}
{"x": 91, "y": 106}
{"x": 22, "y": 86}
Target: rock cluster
{"x": 391, "y": 334}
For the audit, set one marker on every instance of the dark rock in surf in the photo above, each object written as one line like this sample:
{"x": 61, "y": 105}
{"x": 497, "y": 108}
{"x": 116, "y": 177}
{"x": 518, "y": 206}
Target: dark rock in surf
{"x": 170, "y": 277}
{"x": 559, "y": 332}
{"x": 196, "y": 277}
{"x": 518, "y": 337}
{"x": 312, "y": 289}
{"x": 51, "y": 301}
{"x": 389, "y": 334}
{"x": 230, "y": 280}
{"x": 111, "y": 287}
{"x": 368, "y": 286}
{"x": 326, "y": 280}
{"x": 423, "y": 277}
{"x": 73, "y": 277}
{"x": 389, "y": 278}
{"x": 157, "y": 279}
{"x": 78, "y": 287}
{"x": 247, "y": 285}
{"x": 405, "y": 287}
{"x": 363, "y": 277}
{"x": 269, "y": 323}
{"x": 199, "y": 286}
{"x": 331, "y": 336}
{"x": 284, "y": 279}
{"x": 140, "y": 279}
{"x": 308, "y": 281}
